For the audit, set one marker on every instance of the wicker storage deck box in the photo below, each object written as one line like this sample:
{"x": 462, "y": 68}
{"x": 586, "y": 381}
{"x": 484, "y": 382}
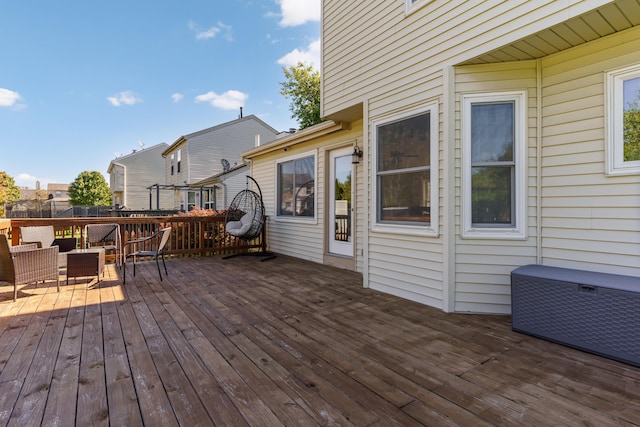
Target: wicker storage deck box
{"x": 595, "y": 312}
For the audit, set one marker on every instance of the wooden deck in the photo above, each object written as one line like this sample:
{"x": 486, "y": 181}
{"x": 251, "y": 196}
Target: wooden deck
{"x": 285, "y": 342}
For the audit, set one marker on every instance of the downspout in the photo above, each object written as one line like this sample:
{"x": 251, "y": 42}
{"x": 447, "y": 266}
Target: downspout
{"x": 224, "y": 194}
{"x": 448, "y": 190}
{"x": 538, "y": 161}
{"x": 366, "y": 212}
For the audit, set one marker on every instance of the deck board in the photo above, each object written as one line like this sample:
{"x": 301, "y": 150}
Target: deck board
{"x": 283, "y": 342}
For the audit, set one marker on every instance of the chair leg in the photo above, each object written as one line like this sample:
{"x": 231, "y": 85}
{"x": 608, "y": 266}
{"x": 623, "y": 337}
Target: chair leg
{"x": 158, "y": 265}
{"x": 165, "y": 266}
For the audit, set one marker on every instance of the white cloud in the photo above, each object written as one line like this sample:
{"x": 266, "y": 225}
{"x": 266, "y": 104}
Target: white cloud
{"x": 230, "y": 100}
{"x": 211, "y": 32}
{"x": 177, "y": 97}
{"x": 29, "y": 181}
{"x": 8, "y": 98}
{"x": 124, "y": 98}
{"x": 310, "y": 56}
{"x": 298, "y": 12}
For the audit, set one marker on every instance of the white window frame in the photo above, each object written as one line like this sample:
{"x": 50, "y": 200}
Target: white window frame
{"x": 519, "y": 229}
{"x": 301, "y": 219}
{"x": 413, "y": 229}
{"x": 413, "y": 5}
{"x": 615, "y": 124}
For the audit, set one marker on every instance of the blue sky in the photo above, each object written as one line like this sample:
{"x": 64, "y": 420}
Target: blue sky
{"x": 82, "y": 82}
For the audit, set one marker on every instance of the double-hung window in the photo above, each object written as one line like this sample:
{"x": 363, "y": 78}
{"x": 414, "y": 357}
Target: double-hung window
{"x": 173, "y": 162}
{"x": 297, "y": 187}
{"x": 405, "y": 182}
{"x": 623, "y": 121}
{"x": 494, "y": 165}
{"x": 179, "y": 158}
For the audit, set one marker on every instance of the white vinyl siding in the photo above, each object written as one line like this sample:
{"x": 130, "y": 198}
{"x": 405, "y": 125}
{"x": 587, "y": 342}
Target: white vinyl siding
{"x": 482, "y": 265}
{"x": 407, "y": 261}
{"x": 379, "y": 61}
{"x": 302, "y": 238}
{"x": 362, "y": 61}
{"x": 591, "y": 220}
{"x": 207, "y": 148}
{"x": 141, "y": 169}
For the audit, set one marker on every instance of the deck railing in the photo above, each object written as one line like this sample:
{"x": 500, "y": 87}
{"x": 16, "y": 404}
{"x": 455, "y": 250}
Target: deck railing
{"x": 190, "y": 235}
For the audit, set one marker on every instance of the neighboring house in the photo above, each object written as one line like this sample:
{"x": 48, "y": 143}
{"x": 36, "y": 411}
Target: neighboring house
{"x": 130, "y": 177}
{"x": 39, "y": 202}
{"x": 199, "y": 155}
{"x": 227, "y": 185}
{"x": 493, "y": 138}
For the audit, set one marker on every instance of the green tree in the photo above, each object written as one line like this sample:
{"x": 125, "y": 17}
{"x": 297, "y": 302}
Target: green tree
{"x": 9, "y": 192}
{"x": 303, "y": 88}
{"x": 89, "y": 189}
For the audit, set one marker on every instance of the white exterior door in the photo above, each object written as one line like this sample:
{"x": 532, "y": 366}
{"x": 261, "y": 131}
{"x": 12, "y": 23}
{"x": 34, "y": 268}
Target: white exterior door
{"x": 340, "y": 198}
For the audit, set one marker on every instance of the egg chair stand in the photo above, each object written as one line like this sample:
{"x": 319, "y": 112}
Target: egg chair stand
{"x": 245, "y": 220}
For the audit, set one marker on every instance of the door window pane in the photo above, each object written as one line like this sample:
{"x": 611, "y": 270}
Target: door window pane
{"x": 342, "y": 190}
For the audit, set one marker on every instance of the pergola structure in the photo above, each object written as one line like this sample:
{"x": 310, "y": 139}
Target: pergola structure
{"x": 200, "y": 188}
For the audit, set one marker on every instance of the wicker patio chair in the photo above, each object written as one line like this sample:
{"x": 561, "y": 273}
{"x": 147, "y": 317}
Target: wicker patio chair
{"x": 105, "y": 236}
{"x": 25, "y": 264}
{"x": 151, "y": 246}
{"x": 45, "y": 237}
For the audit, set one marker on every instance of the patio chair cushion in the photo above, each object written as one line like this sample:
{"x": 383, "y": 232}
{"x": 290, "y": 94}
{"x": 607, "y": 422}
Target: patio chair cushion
{"x": 240, "y": 228}
{"x": 44, "y": 236}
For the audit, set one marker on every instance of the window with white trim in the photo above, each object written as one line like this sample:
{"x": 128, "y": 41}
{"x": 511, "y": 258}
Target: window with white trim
{"x": 173, "y": 162}
{"x": 179, "y": 158}
{"x": 296, "y": 187}
{"x": 623, "y": 121}
{"x": 405, "y": 159}
{"x": 494, "y": 165}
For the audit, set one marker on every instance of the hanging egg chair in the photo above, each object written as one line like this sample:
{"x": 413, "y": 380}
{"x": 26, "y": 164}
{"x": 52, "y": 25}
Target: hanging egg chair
{"x": 245, "y": 217}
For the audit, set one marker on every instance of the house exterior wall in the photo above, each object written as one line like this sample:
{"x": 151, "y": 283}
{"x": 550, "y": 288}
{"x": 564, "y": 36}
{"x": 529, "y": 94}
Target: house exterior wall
{"x": 364, "y": 61}
{"x": 304, "y": 239}
{"x": 590, "y": 220}
{"x": 482, "y": 267}
{"x": 380, "y": 61}
{"x": 181, "y": 177}
{"x": 201, "y": 152}
{"x": 134, "y": 173}
{"x": 207, "y": 149}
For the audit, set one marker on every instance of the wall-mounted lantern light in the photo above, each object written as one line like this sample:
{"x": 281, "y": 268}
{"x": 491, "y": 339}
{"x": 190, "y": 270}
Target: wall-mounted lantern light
{"x": 357, "y": 154}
